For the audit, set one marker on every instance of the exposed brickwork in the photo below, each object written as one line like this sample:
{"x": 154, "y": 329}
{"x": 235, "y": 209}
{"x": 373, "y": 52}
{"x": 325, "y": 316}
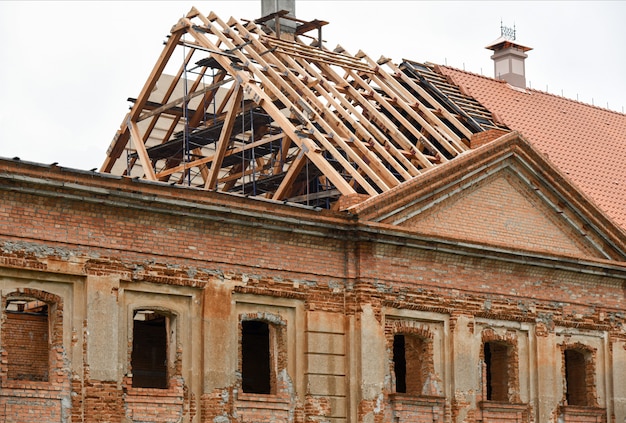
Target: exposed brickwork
{"x": 156, "y": 405}
{"x": 317, "y": 409}
{"x": 481, "y": 138}
{"x": 583, "y": 392}
{"x": 306, "y": 262}
{"x": 217, "y": 405}
{"x": 508, "y": 358}
{"x": 421, "y": 378}
{"x": 103, "y": 402}
{"x": 422, "y": 410}
{"x": 26, "y": 341}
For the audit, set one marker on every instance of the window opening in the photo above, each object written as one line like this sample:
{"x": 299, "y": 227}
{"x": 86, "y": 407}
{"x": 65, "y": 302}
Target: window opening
{"x": 255, "y": 357}
{"x": 399, "y": 362}
{"x": 149, "y": 355}
{"x": 575, "y": 375}
{"x": 408, "y": 363}
{"x": 496, "y": 371}
{"x": 26, "y": 340}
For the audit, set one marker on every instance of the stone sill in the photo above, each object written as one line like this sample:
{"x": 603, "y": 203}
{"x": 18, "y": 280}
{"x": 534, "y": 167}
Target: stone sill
{"x": 503, "y": 406}
{"x": 268, "y": 401}
{"x": 139, "y": 394}
{"x": 598, "y": 414}
{"x": 423, "y": 400}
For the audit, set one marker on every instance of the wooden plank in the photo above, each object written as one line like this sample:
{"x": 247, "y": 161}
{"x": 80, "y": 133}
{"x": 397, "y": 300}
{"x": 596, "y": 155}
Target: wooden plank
{"x": 287, "y": 183}
{"x": 271, "y": 16}
{"x": 365, "y": 130}
{"x": 276, "y": 115}
{"x": 304, "y": 91}
{"x": 140, "y": 147}
{"x": 224, "y": 139}
{"x": 267, "y": 104}
{"x": 174, "y": 103}
{"x": 309, "y": 26}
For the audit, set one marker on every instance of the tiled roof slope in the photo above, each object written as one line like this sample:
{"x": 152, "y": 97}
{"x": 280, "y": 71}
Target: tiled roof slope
{"x": 586, "y": 143}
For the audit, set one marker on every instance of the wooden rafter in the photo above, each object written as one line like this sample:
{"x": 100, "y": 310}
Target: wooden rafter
{"x": 224, "y": 140}
{"x": 278, "y": 118}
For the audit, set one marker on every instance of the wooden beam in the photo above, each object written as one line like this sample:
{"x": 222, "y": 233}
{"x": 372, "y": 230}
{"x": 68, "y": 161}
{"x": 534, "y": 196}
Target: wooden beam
{"x": 402, "y": 93}
{"x": 140, "y": 147}
{"x": 170, "y": 45}
{"x": 224, "y": 139}
{"x": 297, "y": 93}
{"x": 294, "y": 170}
{"x": 262, "y": 98}
{"x": 364, "y": 129}
{"x": 180, "y": 100}
{"x": 375, "y": 115}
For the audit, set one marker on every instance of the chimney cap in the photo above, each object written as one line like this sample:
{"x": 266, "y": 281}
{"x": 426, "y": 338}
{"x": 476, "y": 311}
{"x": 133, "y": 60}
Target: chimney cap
{"x": 503, "y": 42}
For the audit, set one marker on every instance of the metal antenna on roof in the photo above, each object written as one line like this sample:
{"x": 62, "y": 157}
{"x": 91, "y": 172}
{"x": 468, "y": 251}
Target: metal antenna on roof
{"x": 507, "y": 32}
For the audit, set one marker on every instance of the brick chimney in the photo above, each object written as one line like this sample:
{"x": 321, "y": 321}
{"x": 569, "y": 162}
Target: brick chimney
{"x": 508, "y": 58}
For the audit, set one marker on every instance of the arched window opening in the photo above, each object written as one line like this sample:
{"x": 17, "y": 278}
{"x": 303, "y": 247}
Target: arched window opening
{"x": 150, "y": 351}
{"x": 26, "y": 339}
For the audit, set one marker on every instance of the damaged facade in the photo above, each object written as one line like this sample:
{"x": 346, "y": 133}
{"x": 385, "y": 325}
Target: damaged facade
{"x": 286, "y": 233}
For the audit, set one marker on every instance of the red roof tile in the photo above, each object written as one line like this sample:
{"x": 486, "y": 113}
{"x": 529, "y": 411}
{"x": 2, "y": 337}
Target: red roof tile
{"x": 585, "y": 142}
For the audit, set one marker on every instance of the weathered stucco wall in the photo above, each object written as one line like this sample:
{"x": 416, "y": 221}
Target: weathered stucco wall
{"x": 331, "y": 294}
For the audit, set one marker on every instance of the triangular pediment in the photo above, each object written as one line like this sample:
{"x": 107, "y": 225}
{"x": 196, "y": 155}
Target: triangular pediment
{"x": 504, "y": 194}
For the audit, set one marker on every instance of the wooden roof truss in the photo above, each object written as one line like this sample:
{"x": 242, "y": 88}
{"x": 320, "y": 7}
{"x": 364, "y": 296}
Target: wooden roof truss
{"x": 245, "y": 111}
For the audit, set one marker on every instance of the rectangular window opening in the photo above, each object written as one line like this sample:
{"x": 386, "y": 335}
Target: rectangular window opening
{"x": 575, "y": 375}
{"x": 255, "y": 357}
{"x": 497, "y": 371}
{"x": 409, "y": 357}
{"x": 399, "y": 363}
{"x": 149, "y": 355}
{"x": 26, "y": 340}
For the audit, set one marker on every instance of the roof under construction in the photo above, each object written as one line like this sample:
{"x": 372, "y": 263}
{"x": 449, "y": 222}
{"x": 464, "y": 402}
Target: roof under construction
{"x": 254, "y": 111}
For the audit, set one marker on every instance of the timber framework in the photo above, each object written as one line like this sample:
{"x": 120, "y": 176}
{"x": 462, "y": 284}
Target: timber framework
{"x": 254, "y": 111}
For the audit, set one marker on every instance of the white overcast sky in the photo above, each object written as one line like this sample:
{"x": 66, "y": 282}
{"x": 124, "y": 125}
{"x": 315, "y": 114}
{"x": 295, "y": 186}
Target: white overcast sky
{"x": 67, "y": 68}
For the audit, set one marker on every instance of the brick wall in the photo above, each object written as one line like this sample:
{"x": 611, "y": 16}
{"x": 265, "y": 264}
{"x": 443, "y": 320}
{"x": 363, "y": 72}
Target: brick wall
{"x": 319, "y": 260}
{"x": 25, "y": 337}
